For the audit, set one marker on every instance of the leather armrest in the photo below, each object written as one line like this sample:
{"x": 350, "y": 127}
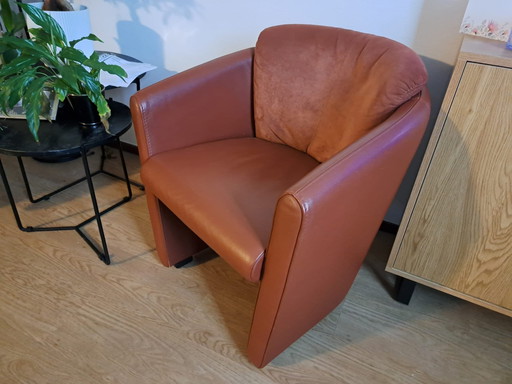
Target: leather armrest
{"x": 344, "y": 200}
{"x": 209, "y": 102}
{"x": 369, "y": 167}
{"x": 324, "y": 226}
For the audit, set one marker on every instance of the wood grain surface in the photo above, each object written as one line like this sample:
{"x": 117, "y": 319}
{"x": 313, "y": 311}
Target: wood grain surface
{"x": 459, "y": 236}
{"x": 65, "y": 317}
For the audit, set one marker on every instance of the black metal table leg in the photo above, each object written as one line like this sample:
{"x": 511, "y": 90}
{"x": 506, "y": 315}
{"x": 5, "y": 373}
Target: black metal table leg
{"x": 102, "y": 251}
{"x": 11, "y": 200}
{"x": 78, "y": 181}
{"x": 125, "y": 172}
{"x": 404, "y": 289}
{"x": 104, "y": 256}
{"x": 48, "y": 195}
{"x": 64, "y": 138}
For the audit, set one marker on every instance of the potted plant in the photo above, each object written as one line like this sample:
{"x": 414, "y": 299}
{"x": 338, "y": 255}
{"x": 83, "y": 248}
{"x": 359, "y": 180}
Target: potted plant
{"x": 47, "y": 61}
{"x": 13, "y": 22}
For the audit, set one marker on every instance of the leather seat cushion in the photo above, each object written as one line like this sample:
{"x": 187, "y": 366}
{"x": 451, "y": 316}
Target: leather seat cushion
{"x": 226, "y": 192}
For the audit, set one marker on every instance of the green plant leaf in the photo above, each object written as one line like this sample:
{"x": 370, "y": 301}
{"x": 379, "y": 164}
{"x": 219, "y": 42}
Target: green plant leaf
{"x": 15, "y": 42}
{"x": 5, "y": 94}
{"x": 12, "y": 21}
{"x": 73, "y": 54}
{"x": 91, "y": 86}
{"x": 10, "y": 94}
{"x": 16, "y": 86}
{"x": 6, "y": 14}
{"x": 61, "y": 89}
{"x": 12, "y": 88}
{"x": 93, "y": 89}
{"x": 84, "y": 80}
{"x": 27, "y": 48}
{"x": 70, "y": 77}
{"x": 19, "y": 22}
{"x": 8, "y": 55}
{"x": 110, "y": 68}
{"x": 103, "y": 108}
{"x": 95, "y": 56}
{"x": 17, "y": 65}
{"x": 91, "y": 37}
{"x": 32, "y": 104}
{"x": 41, "y": 36}
{"x": 48, "y": 60}
{"x": 45, "y": 21}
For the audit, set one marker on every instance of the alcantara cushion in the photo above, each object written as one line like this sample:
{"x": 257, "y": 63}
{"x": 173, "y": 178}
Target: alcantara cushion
{"x": 319, "y": 91}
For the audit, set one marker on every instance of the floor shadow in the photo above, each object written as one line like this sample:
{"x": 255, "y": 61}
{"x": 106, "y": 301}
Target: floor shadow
{"x": 232, "y": 296}
{"x": 439, "y": 77}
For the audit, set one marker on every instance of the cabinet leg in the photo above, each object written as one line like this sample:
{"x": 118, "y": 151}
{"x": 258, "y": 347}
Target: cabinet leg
{"x": 403, "y": 290}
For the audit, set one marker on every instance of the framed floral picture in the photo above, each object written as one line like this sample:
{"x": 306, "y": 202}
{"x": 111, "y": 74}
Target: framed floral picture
{"x": 50, "y": 106}
{"x": 488, "y": 18}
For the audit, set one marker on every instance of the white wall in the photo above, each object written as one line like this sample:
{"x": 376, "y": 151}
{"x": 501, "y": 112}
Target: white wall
{"x": 177, "y": 34}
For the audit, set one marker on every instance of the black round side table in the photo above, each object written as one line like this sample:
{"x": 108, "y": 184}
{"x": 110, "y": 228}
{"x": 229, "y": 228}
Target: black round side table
{"x": 65, "y": 137}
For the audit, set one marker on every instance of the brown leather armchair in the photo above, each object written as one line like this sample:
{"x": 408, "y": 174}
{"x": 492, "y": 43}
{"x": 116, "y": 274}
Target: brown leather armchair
{"x": 284, "y": 159}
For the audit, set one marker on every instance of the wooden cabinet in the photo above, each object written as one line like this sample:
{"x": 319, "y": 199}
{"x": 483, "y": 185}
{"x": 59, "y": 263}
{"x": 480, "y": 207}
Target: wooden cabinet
{"x": 456, "y": 233}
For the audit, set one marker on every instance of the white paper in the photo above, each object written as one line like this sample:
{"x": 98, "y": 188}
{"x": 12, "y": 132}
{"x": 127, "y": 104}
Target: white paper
{"x": 133, "y": 69}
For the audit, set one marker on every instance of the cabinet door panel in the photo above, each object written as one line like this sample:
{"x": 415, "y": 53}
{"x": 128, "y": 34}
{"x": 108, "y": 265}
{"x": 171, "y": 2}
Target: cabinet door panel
{"x": 460, "y": 232}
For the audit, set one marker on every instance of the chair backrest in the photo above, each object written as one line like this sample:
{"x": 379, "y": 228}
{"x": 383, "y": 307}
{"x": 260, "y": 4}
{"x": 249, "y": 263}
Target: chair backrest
{"x": 319, "y": 89}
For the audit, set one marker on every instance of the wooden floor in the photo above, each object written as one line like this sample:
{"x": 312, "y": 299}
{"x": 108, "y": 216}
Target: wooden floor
{"x": 65, "y": 317}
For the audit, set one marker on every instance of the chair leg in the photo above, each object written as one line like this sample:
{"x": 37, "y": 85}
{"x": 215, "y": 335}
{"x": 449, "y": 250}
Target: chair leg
{"x": 175, "y": 242}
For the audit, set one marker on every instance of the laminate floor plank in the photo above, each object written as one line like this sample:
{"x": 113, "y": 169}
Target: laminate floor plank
{"x": 65, "y": 317}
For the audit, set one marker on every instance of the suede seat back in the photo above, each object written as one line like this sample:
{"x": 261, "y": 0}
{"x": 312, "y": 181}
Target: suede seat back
{"x": 319, "y": 89}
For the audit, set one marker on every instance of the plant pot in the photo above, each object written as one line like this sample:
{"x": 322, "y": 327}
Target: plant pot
{"x": 84, "y": 110}
{"x": 76, "y": 24}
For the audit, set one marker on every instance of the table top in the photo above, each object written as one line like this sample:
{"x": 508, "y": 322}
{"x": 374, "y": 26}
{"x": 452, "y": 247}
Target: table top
{"x": 62, "y": 137}
{"x": 485, "y": 51}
